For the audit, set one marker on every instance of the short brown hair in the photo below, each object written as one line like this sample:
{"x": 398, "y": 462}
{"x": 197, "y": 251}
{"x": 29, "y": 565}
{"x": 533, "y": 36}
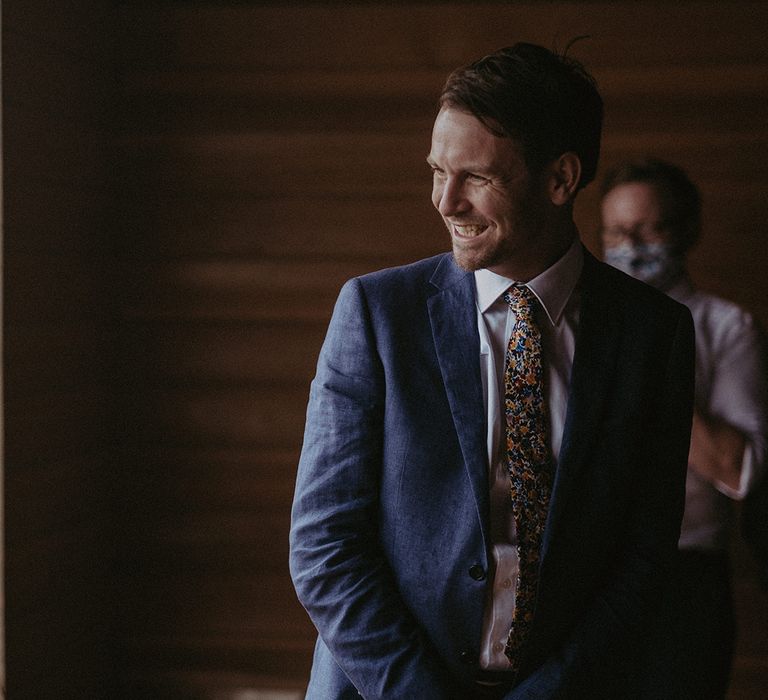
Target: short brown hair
{"x": 547, "y": 102}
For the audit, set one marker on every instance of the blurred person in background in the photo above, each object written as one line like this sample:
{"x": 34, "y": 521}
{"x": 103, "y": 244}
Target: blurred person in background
{"x": 651, "y": 218}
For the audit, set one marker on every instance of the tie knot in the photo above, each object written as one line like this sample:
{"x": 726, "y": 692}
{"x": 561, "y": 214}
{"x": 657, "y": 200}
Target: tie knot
{"x": 521, "y": 299}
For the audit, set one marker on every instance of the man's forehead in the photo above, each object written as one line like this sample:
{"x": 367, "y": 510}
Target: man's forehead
{"x": 463, "y": 141}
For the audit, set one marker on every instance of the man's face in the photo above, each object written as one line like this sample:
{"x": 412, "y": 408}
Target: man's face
{"x": 635, "y": 238}
{"x": 631, "y": 213}
{"x": 494, "y": 209}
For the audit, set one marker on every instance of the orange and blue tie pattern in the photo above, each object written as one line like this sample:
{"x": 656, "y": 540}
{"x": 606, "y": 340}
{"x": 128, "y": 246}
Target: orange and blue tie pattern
{"x": 528, "y": 458}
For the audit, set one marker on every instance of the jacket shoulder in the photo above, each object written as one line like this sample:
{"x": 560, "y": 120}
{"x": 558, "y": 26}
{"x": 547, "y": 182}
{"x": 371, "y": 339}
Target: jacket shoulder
{"x": 625, "y": 291}
{"x": 419, "y": 271}
{"x": 404, "y": 284}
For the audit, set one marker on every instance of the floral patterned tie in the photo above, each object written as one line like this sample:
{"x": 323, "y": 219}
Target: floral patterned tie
{"x": 528, "y": 458}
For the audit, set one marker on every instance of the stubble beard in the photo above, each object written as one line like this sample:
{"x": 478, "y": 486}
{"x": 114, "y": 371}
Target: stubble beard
{"x": 495, "y": 253}
{"x": 526, "y": 228}
{"x": 478, "y": 260}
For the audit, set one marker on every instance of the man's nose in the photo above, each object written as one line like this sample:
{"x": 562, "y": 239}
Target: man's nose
{"x": 451, "y": 199}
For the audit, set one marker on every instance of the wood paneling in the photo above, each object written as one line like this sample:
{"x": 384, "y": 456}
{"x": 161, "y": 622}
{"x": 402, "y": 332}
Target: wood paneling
{"x": 302, "y": 229}
{"x": 410, "y": 35}
{"x": 265, "y": 153}
{"x": 239, "y": 289}
{"x": 269, "y": 152}
{"x": 216, "y": 354}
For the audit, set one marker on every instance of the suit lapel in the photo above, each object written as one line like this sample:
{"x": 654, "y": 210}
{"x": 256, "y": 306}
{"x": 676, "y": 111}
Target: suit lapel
{"x": 453, "y": 316}
{"x": 594, "y": 364}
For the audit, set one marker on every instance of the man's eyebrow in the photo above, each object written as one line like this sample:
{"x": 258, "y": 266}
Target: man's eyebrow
{"x": 477, "y": 169}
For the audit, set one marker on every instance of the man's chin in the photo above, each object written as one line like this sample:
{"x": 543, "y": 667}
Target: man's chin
{"x": 465, "y": 263}
{"x": 470, "y": 263}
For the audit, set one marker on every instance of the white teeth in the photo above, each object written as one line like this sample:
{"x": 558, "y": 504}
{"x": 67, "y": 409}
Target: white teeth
{"x": 470, "y": 230}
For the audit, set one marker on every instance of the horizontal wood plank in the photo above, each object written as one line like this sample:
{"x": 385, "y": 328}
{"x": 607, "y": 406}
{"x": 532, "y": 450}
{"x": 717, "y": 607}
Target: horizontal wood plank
{"x": 428, "y": 34}
{"x": 375, "y": 164}
{"x": 227, "y": 609}
{"x": 239, "y": 289}
{"x": 179, "y": 669}
{"x": 229, "y": 354}
{"x": 170, "y": 226}
{"x": 371, "y": 229}
{"x": 185, "y": 683}
{"x": 179, "y": 417}
{"x": 335, "y": 87}
{"x": 678, "y": 97}
{"x": 211, "y": 544}
{"x": 203, "y": 480}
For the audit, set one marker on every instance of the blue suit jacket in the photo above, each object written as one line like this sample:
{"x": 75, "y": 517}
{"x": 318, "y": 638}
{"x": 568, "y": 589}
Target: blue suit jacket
{"x": 392, "y": 497}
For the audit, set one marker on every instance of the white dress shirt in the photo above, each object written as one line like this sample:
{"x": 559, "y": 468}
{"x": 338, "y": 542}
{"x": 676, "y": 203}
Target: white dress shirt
{"x": 731, "y": 386}
{"x": 557, "y": 318}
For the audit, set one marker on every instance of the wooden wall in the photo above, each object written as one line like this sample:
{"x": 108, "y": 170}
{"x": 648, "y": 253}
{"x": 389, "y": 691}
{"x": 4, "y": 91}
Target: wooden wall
{"x": 265, "y": 152}
{"x": 58, "y": 92}
{"x": 272, "y": 150}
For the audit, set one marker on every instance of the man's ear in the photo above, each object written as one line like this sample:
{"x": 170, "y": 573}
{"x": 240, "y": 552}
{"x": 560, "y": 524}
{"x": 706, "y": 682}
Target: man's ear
{"x": 564, "y": 176}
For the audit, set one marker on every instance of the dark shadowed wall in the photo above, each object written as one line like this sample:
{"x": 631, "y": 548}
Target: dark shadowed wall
{"x": 59, "y": 350}
{"x": 264, "y": 153}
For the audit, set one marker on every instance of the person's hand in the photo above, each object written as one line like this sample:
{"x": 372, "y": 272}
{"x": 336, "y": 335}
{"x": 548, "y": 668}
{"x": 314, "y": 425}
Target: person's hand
{"x": 717, "y": 450}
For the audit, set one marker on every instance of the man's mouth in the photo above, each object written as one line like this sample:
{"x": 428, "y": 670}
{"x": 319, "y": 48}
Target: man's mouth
{"x": 468, "y": 230}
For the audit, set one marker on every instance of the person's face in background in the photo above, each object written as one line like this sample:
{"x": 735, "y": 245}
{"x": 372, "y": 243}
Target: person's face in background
{"x": 634, "y": 236}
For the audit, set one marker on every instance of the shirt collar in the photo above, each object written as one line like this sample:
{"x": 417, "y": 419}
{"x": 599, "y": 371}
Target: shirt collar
{"x": 552, "y": 288}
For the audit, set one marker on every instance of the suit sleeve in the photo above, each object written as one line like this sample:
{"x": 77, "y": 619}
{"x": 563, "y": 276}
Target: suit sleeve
{"x": 339, "y": 571}
{"x": 609, "y": 632}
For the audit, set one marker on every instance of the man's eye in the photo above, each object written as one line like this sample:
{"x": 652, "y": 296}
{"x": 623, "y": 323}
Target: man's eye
{"x": 477, "y": 179}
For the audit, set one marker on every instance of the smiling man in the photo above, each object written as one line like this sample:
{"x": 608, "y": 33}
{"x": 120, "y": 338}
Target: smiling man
{"x": 491, "y": 483}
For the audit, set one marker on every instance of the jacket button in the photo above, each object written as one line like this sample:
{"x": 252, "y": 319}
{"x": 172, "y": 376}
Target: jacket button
{"x": 467, "y": 658}
{"x": 477, "y": 572}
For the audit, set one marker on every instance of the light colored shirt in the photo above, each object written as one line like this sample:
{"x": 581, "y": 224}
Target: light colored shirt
{"x": 557, "y": 317}
{"x": 731, "y": 386}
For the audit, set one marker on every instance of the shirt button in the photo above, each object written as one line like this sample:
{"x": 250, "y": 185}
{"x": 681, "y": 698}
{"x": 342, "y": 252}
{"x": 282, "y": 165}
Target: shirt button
{"x": 477, "y": 572}
{"x": 498, "y": 647}
{"x": 506, "y": 583}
